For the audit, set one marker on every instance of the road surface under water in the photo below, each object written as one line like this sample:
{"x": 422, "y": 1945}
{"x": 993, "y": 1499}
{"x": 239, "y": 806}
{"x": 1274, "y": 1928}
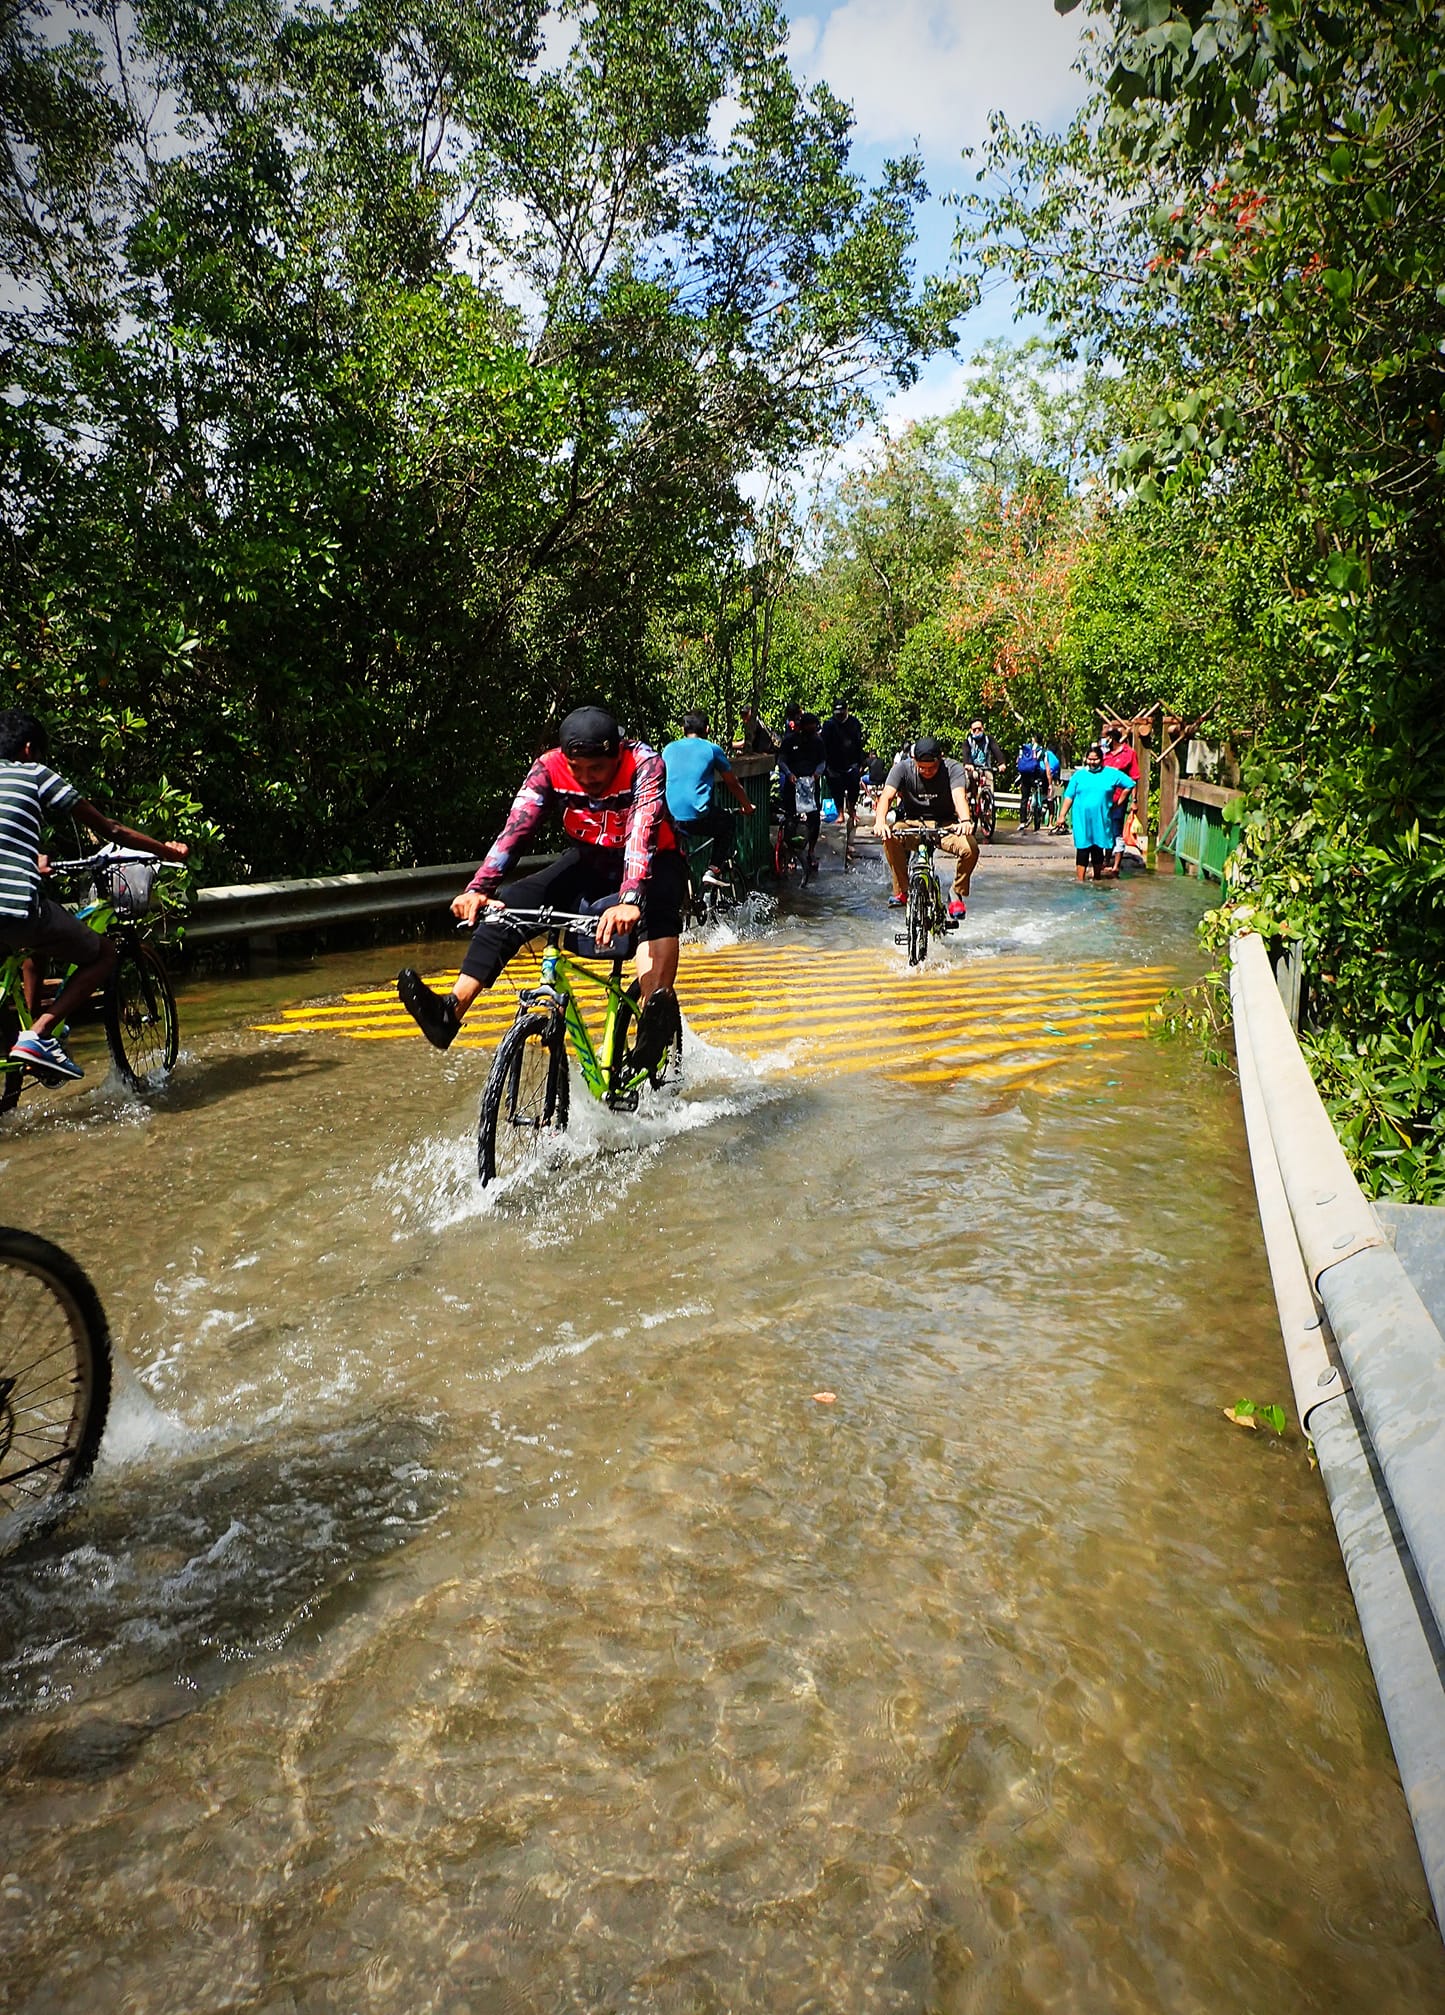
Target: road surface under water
{"x": 478, "y": 1608}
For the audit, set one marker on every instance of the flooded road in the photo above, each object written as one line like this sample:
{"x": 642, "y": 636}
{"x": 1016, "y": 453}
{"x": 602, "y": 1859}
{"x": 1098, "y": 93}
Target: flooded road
{"x": 477, "y": 1608}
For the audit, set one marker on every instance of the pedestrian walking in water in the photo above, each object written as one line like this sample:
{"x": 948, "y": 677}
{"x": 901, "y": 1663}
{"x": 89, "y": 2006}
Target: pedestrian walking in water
{"x": 1087, "y": 806}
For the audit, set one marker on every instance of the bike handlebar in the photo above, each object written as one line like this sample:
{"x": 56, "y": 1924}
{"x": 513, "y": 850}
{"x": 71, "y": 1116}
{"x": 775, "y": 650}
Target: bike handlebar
{"x": 109, "y": 857}
{"x": 544, "y": 919}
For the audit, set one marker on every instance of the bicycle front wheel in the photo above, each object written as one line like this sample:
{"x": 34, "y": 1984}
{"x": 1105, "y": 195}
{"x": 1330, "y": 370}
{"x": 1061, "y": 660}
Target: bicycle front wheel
{"x": 142, "y": 1027}
{"x": 918, "y": 908}
{"x": 525, "y": 1096}
{"x": 54, "y": 1371}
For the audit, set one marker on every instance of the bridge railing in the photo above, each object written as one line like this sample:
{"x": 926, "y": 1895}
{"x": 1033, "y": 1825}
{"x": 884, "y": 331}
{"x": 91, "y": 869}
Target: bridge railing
{"x": 1367, "y": 1363}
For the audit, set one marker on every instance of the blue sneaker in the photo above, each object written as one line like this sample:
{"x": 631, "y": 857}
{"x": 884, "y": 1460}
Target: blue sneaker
{"x": 43, "y": 1055}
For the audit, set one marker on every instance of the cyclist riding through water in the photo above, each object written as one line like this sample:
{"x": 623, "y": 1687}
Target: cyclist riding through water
{"x": 30, "y": 793}
{"x": 981, "y": 751}
{"x": 925, "y": 784}
{"x": 610, "y": 793}
{"x": 694, "y": 764}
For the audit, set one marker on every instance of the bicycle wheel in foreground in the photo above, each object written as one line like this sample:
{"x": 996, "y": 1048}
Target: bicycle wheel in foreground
{"x": 525, "y": 1096}
{"x": 141, "y": 1023}
{"x": 919, "y": 905}
{"x": 54, "y": 1371}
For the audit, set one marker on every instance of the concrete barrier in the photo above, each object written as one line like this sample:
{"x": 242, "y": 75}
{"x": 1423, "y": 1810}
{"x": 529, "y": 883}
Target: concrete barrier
{"x": 1367, "y": 1364}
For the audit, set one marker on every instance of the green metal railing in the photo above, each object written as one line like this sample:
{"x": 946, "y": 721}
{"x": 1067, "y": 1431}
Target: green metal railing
{"x": 754, "y": 841}
{"x": 1199, "y": 836}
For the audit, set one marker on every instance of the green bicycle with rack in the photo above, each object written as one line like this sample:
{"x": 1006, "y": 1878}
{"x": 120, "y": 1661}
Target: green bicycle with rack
{"x": 528, "y": 1092}
{"x": 142, "y": 1027}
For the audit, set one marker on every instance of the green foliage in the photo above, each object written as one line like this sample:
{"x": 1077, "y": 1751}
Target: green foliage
{"x": 1246, "y": 219}
{"x": 1249, "y": 1413}
{"x": 382, "y": 377}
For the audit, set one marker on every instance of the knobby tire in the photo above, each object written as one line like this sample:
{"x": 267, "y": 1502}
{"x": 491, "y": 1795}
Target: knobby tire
{"x": 54, "y": 1371}
{"x": 142, "y": 1027}
{"x": 918, "y": 908}
{"x": 526, "y": 1094}
{"x": 668, "y": 1067}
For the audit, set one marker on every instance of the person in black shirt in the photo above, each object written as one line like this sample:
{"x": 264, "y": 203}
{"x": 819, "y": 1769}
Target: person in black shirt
{"x": 926, "y": 785}
{"x": 802, "y": 755}
{"x": 843, "y": 757}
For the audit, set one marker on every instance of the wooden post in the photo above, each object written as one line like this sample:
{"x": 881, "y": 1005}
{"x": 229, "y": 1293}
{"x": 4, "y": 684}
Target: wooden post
{"x": 1168, "y": 785}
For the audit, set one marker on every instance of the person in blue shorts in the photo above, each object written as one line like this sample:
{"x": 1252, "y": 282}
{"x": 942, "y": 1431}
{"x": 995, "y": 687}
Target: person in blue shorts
{"x": 693, "y": 765}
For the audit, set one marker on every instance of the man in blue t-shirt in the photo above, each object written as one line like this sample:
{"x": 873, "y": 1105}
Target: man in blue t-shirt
{"x": 693, "y": 765}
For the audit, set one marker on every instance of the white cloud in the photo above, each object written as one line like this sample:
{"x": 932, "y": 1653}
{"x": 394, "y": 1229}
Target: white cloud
{"x": 931, "y": 71}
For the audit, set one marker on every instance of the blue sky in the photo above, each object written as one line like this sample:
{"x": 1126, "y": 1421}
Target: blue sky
{"x": 927, "y": 74}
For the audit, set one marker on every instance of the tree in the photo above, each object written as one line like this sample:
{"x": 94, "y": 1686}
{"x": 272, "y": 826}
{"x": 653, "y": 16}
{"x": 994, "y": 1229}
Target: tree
{"x": 381, "y": 370}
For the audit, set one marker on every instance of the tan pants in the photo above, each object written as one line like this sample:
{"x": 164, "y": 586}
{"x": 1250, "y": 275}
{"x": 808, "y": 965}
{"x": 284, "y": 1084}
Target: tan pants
{"x": 963, "y": 847}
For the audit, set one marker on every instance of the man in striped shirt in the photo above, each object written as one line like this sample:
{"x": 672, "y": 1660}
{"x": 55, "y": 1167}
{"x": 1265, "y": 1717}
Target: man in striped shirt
{"x": 30, "y": 795}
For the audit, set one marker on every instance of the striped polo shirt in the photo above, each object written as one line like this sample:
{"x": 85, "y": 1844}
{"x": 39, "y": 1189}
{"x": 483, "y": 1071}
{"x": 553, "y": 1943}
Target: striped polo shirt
{"x": 29, "y": 795}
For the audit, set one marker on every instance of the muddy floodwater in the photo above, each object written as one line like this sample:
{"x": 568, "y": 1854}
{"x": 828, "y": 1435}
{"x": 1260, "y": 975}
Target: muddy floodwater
{"x": 480, "y": 1606}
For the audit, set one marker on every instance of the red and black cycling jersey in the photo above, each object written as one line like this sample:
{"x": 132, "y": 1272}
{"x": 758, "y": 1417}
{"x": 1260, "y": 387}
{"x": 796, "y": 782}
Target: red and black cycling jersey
{"x": 632, "y": 816}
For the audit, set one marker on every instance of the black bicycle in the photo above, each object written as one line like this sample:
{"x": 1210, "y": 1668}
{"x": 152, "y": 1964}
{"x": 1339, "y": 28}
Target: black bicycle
{"x": 715, "y": 888}
{"x": 54, "y": 1371}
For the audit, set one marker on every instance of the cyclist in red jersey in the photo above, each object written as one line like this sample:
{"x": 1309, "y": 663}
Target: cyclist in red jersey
{"x": 611, "y": 794}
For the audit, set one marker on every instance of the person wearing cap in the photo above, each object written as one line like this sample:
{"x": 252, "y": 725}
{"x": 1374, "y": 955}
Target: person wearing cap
{"x": 926, "y": 784}
{"x": 611, "y": 796}
{"x": 981, "y": 750}
{"x": 842, "y": 736}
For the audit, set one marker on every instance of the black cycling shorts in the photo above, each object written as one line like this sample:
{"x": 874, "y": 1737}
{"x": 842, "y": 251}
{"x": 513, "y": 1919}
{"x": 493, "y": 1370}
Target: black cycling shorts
{"x": 581, "y": 875}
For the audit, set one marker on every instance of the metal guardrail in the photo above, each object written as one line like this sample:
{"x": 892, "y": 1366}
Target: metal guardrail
{"x": 1367, "y": 1363}
{"x": 257, "y": 909}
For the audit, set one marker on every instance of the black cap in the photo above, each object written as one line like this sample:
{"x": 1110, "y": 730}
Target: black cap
{"x": 840, "y": 706}
{"x": 589, "y": 731}
{"x": 927, "y": 749}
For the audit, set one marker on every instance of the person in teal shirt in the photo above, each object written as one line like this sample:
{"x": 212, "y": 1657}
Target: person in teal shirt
{"x": 693, "y": 764}
{"x": 1087, "y": 804}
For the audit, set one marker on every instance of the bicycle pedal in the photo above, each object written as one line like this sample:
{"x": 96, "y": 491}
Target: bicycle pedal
{"x": 900, "y": 937}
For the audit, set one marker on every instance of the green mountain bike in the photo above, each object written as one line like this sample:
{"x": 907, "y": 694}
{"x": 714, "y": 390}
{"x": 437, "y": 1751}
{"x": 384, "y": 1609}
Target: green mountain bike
{"x": 925, "y": 910}
{"x": 527, "y": 1094}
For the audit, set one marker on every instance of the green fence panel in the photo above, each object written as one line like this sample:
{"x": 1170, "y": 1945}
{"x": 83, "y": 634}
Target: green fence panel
{"x": 1202, "y": 840}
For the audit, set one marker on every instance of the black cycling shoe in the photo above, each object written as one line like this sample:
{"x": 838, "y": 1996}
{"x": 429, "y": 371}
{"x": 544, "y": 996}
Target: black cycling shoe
{"x": 655, "y": 1026}
{"x": 434, "y": 1014}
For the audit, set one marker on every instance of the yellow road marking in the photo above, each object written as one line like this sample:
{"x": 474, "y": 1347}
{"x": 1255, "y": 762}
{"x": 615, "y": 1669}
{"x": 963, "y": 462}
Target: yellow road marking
{"x": 997, "y": 1019}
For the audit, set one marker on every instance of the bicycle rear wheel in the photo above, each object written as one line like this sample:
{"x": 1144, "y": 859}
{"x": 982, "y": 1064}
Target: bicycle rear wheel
{"x": 668, "y": 1067}
{"x": 54, "y": 1371}
{"x": 142, "y": 1027}
{"x": 525, "y": 1096}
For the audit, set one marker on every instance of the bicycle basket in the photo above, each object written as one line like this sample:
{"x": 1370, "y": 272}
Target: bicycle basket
{"x": 584, "y": 945}
{"x": 128, "y": 885}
